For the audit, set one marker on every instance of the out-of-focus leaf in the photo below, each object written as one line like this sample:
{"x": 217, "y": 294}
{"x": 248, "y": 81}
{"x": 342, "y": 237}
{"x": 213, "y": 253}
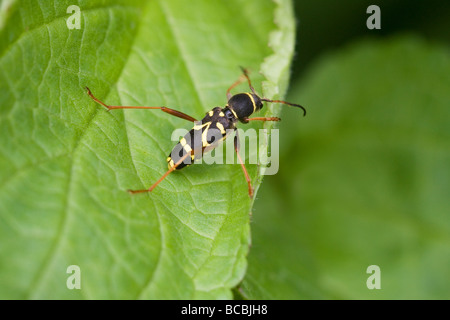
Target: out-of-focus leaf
{"x": 364, "y": 181}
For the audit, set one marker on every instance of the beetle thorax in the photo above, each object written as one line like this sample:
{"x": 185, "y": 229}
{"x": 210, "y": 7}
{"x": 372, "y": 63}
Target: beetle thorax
{"x": 244, "y": 104}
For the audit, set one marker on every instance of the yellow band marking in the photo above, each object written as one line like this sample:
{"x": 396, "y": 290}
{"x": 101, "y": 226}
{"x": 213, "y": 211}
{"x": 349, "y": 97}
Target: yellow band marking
{"x": 253, "y": 101}
{"x": 232, "y": 111}
{"x": 198, "y": 127}
{"x": 220, "y": 127}
{"x": 204, "y": 136}
{"x": 170, "y": 163}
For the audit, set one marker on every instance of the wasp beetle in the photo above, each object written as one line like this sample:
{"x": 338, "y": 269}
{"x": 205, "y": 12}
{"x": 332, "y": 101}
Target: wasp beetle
{"x": 198, "y": 140}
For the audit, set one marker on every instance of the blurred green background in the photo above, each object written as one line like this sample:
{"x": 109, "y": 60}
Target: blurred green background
{"x": 364, "y": 178}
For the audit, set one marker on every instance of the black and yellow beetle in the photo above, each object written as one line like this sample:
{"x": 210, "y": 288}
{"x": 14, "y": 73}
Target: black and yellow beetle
{"x": 202, "y": 138}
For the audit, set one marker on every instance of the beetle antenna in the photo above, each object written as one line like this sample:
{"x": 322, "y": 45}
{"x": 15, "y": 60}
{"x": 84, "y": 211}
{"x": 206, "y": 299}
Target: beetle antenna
{"x": 285, "y": 102}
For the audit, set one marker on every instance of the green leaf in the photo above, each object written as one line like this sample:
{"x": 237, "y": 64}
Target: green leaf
{"x": 364, "y": 180}
{"x": 66, "y": 162}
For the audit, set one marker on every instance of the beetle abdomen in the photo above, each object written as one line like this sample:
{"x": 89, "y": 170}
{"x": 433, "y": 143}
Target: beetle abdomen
{"x": 201, "y": 139}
